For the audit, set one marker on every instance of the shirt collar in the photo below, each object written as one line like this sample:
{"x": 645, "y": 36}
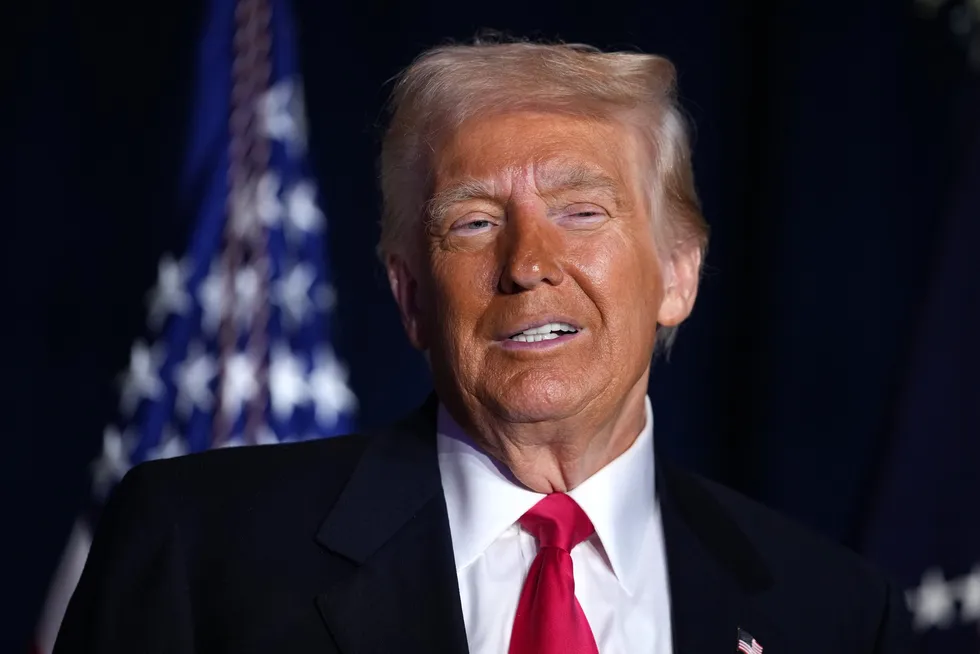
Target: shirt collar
{"x": 483, "y": 499}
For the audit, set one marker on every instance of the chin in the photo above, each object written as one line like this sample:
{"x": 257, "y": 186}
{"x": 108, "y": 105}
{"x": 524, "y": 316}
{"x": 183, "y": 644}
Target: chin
{"x": 536, "y": 397}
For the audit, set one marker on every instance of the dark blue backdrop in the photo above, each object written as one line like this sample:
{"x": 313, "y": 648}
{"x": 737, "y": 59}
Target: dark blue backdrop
{"x": 824, "y": 145}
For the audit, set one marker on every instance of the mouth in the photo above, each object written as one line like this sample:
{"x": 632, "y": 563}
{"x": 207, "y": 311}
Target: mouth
{"x": 546, "y": 331}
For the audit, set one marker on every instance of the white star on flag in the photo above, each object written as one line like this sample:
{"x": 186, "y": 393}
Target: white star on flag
{"x": 242, "y": 213}
{"x": 292, "y": 293}
{"x": 171, "y": 445}
{"x": 287, "y": 382}
{"x": 328, "y": 388}
{"x": 170, "y": 295}
{"x": 265, "y": 436}
{"x": 142, "y": 380}
{"x": 256, "y": 204}
{"x": 239, "y": 384}
{"x": 193, "y": 379}
{"x": 282, "y": 116}
{"x": 932, "y": 603}
{"x": 246, "y": 294}
{"x": 302, "y": 212}
{"x": 213, "y": 294}
{"x": 970, "y": 596}
{"x": 213, "y": 297}
{"x": 268, "y": 208}
{"x": 113, "y": 463}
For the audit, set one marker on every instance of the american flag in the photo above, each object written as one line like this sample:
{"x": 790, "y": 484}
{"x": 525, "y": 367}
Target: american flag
{"x": 237, "y": 349}
{"x": 748, "y": 644}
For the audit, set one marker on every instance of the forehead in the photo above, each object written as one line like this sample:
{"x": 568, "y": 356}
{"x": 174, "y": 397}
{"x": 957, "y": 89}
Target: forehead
{"x": 554, "y": 149}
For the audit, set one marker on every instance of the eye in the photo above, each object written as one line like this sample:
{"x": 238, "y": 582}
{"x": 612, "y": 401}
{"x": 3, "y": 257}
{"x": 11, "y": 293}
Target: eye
{"x": 472, "y": 224}
{"x": 583, "y": 213}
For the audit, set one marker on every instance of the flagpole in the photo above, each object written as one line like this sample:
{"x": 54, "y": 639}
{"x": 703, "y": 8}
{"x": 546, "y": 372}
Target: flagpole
{"x": 244, "y": 233}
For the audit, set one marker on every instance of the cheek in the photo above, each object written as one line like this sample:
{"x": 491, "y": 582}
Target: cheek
{"x": 461, "y": 280}
{"x": 622, "y": 278}
{"x": 462, "y": 286}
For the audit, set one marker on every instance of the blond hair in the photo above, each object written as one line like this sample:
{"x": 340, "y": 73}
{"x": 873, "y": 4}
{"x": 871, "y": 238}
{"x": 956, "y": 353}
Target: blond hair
{"x": 448, "y": 85}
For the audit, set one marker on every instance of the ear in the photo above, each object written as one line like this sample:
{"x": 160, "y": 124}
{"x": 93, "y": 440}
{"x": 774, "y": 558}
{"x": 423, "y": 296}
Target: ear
{"x": 405, "y": 288}
{"x": 680, "y": 284}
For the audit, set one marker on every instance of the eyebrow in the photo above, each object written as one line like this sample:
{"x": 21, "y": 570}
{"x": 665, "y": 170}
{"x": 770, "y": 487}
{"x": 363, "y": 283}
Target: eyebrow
{"x": 553, "y": 179}
{"x": 457, "y": 192}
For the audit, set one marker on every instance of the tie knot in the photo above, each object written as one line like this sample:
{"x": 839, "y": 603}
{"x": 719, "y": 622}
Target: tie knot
{"x": 557, "y": 521}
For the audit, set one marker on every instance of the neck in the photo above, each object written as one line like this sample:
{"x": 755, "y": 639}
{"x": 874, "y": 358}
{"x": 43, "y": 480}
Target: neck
{"x": 556, "y": 456}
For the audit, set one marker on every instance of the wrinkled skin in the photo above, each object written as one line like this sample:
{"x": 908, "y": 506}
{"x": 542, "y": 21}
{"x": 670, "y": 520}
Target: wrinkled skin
{"x": 540, "y": 217}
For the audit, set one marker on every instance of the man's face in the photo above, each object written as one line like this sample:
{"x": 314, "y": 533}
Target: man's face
{"x": 538, "y": 287}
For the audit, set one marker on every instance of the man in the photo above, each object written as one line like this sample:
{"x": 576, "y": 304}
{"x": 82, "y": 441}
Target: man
{"x": 542, "y": 236}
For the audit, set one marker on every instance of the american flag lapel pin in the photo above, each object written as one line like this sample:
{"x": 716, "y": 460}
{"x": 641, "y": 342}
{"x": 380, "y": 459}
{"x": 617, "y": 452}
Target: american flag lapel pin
{"x": 748, "y": 644}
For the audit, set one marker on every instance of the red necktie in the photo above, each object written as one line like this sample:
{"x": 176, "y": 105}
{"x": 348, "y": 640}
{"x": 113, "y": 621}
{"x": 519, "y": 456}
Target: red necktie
{"x": 549, "y": 618}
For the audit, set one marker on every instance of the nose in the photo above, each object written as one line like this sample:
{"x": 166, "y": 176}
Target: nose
{"x": 532, "y": 247}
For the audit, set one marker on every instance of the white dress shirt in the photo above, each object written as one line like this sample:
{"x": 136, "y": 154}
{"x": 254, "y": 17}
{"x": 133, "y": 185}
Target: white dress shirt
{"x": 620, "y": 571}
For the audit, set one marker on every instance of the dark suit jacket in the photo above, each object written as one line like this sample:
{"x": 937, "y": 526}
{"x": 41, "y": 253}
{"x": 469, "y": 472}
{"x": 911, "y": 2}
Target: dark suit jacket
{"x": 343, "y": 545}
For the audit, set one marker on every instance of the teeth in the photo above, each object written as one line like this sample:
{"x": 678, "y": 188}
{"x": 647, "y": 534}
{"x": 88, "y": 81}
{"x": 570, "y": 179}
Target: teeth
{"x": 543, "y": 333}
{"x": 533, "y": 338}
{"x": 550, "y": 327}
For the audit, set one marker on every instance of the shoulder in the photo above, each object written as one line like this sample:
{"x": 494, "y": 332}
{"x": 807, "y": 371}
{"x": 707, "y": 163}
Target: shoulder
{"x": 251, "y": 492}
{"x": 793, "y": 566}
{"x": 783, "y": 543}
{"x": 782, "y": 540}
{"x": 205, "y": 526}
{"x": 269, "y": 477}
{"x": 258, "y": 463}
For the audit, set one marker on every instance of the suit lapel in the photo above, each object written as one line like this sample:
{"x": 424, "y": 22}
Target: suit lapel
{"x": 391, "y": 523}
{"x": 402, "y": 593}
{"x": 716, "y": 576}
